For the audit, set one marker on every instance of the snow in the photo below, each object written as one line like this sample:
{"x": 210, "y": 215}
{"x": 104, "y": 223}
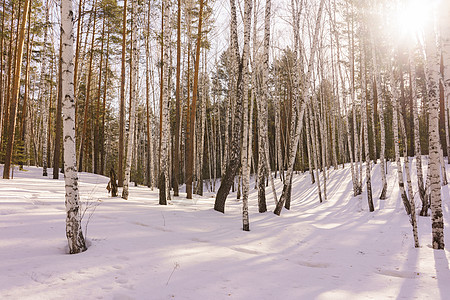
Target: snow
{"x": 186, "y": 250}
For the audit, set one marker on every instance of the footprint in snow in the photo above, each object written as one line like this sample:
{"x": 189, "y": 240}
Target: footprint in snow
{"x": 199, "y": 240}
{"x": 140, "y": 224}
{"x": 313, "y": 264}
{"x": 399, "y": 274}
{"x": 245, "y": 250}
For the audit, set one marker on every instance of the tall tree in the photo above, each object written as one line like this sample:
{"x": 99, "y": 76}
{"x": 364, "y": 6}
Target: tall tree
{"x": 87, "y": 109}
{"x": 366, "y": 129}
{"x": 234, "y": 160}
{"x": 299, "y": 125}
{"x": 433, "y": 67}
{"x": 74, "y": 232}
{"x": 176, "y": 169}
{"x": 190, "y": 154}
{"x": 133, "y": 97}
{"x": 44, "y": 90}
{"x": 15, "y": 92}
{"x": 246, "y": 145}
{"x": 122, "y": 96}
{"x": 58, "y": 123}
{"x": 417, "y": 145}
{"x": 380, "y": 102}
{"x": 394, "y": 79}
{"x": 164, "y": 163}
{"x": 263, "y": 161}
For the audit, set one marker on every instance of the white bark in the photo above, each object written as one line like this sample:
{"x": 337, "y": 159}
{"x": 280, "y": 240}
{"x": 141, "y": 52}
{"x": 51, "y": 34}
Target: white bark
{"x": 246, "y": 145}
{"x": 445, "y": 48}
{"x": 366, "y": 132}
{"x": 133, "y": 100}
{"x": 264, "y": 164}
{"x": 397, "y": 142}
{"x": 413, "y": 219}
{"x": 432, "y": 74}
{"x": 299, "y": 126}
{"x": 380, "y": 100}
{"x": 164, "y": 158}
{"x": 417, "y": 147}
{"x": 73, "y": 219}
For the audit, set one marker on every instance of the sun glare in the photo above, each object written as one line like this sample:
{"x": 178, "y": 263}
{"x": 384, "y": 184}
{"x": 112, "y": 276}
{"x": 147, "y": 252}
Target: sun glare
{"x": 414, "y": 15}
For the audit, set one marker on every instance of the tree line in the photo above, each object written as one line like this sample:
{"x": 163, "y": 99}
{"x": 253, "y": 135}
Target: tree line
{"x": 156, "y": 103}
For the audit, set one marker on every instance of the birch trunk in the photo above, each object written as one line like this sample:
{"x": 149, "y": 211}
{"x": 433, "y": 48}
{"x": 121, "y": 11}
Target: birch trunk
{"x": 74, "y": 232}
{"x": 164, "y": 167}
{"x": 246, "y": 145}
{"x": 299, "y": 126}
{"x": 412, "y": 219}
{"x": 417, "y": 147}
{"x": 397, "y": 142}
{"x": 445, "y": 46}
{"x": 234, "y": 160}
{"x": 366, "y": 132}
{"x": 122, "y": 96}
{"x": 380, "y": 102}
{"x": 133, "y": 98}
{"x": 432, "y": 79}
{"x": 315, "y": 142}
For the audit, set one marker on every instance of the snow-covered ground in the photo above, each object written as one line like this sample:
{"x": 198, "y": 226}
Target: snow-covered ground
{"x": 186, "y": 250}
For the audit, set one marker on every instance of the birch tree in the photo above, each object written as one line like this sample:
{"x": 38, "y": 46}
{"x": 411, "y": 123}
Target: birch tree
{"x": 246, "y": 144}
{"x": 164, "y": 159}
{"x": 417, "y": 147}
{"x": 74, "y": 232}
{"x": 122, "y": 95}
{"x": 380, "y": 108}
{"x": 133, "y": 98}
{"x": 401, "y": 184}
{"x": 299, "y": 125}
{"x": 366, "y": 132}
{"x": 234, "y": 160}
{"x": 412, "y": 216}
{"x": 432, "y": 78}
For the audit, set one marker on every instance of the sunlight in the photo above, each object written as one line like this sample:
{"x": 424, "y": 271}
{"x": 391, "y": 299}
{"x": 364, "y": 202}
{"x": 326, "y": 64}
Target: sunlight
{"x": 414, "y": 15}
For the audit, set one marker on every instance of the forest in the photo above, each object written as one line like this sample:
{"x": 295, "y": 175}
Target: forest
{"x": 229, "y": 99}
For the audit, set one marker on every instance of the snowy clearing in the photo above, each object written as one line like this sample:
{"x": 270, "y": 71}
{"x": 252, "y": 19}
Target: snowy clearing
{"x": 186, "y": 250}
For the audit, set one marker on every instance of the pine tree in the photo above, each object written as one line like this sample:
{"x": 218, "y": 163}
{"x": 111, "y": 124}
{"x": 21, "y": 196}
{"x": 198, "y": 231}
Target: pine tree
{"x": 15, "y": 92}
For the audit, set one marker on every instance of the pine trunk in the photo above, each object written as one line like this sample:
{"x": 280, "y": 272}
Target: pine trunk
{"x": 15, "y": 92}
{"x": 58, "y": 117}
